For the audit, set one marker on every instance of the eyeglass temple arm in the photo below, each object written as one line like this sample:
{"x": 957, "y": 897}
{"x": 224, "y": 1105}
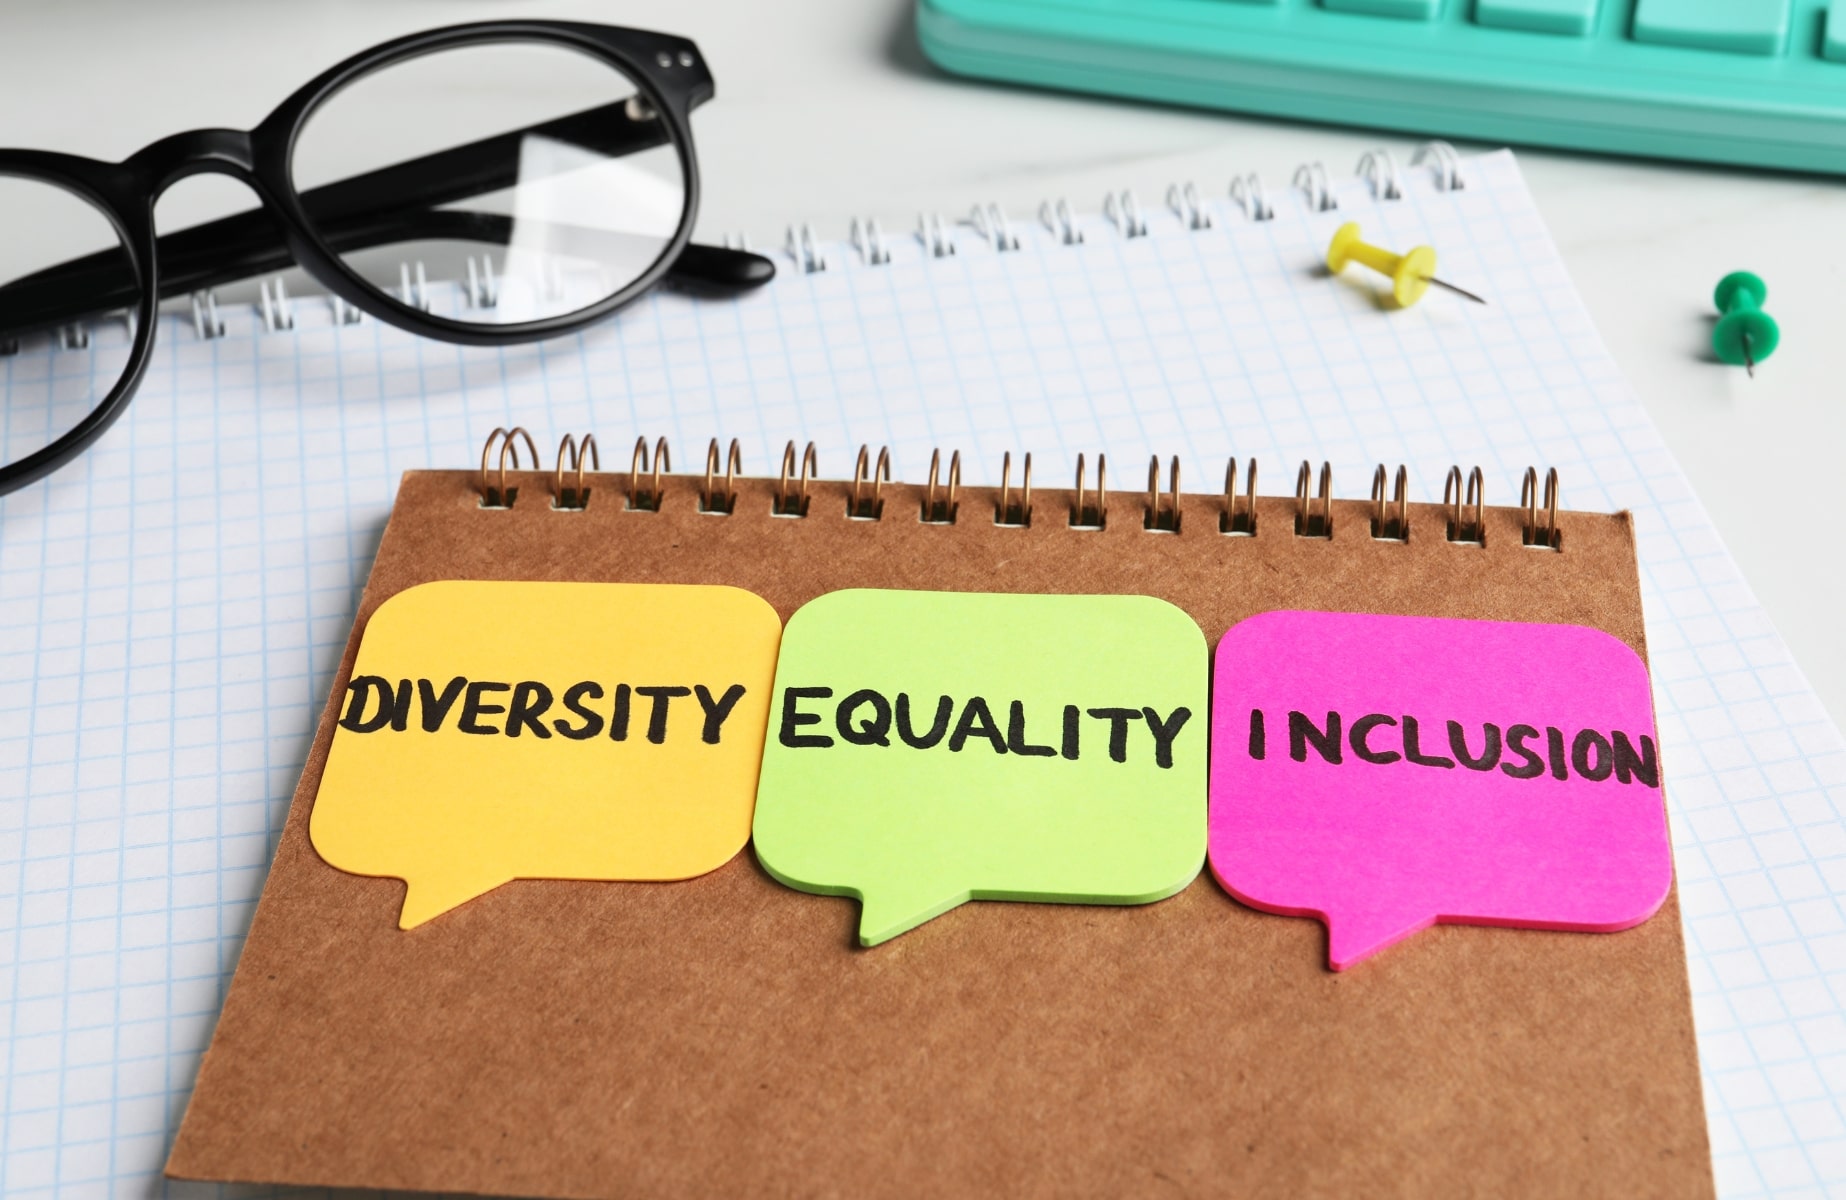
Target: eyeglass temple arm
{"x": 365, "y": 210}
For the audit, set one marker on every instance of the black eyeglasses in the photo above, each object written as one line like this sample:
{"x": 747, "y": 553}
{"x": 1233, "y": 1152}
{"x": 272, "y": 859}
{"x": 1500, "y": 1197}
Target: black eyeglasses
{"x": 557, "y": 185}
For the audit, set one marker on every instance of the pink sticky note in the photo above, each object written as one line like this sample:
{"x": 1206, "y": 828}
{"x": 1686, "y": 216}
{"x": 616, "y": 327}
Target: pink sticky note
{"x": 1388, "y": 773}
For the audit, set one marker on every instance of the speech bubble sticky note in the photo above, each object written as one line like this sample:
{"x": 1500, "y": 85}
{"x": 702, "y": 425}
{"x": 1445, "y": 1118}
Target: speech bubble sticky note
{"x": 500, "y": 731}
{"x": 1389, "y": 773}
{"x": 928, "y": 748}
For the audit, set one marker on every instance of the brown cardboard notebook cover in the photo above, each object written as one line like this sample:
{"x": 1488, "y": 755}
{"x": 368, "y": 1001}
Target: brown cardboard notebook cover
{"x": 725, "y": 1036}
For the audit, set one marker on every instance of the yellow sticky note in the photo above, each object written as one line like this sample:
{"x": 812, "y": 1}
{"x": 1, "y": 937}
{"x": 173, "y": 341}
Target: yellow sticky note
{"x": 501, "y": 731}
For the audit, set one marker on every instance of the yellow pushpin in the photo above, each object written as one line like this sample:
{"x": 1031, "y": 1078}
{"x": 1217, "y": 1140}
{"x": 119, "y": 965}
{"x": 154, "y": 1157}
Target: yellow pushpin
{"x": 1411, "y": 274}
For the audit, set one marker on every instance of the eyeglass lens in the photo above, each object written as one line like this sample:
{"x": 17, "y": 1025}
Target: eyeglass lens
{"x": 51, "y": 377}
{"x": 539, "y": 183}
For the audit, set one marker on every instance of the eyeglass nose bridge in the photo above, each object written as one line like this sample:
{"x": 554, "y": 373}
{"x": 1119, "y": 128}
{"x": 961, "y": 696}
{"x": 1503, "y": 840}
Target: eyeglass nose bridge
{"x": 197, "y": 152}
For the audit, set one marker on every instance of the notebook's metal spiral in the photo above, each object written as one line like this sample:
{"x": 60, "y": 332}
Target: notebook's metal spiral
{"x": 494, "y": 491}
{"x": 1460, "y": 528}
{"x": 1307, "y": 525}
{"x": 483, "y": 290}
{"x": 479, "y": 288}
{"x": 795, "y": 504}
{"x": 804, "y": 248}
{"x": 936, "y": 235}
{"x": 413, "y": 285}
{"x": 1092, "y": 516}
{"x": 1546, "y": 536}
{"x": 1379, "y": 169}
{"x": 1444, "y": 161}
{"x": 205, "y": 319}
{"x": 1311, "y": 181}
{"x": 571, "y": 457}
{"x": 869, "y": 240}
{"x": 648, "y": 498}
{"x": 1188, "y": 206}
{"x": 1124, "y": 212}
{"x": 941, "y": 510}
{"x": 277, "y": 310}
{"x": 1247, "y": 193}
{"x": 1389, "y": 525}
{"x": 710, "y": 500}
{"x": 1231, "y": 521}
{"x": 1061, "y": 221}
{"x": 989, "y": 220}
{"x": 1161, "y": 518}
{"x": 1011, "y": 512}
{"x": 867, "y": 502}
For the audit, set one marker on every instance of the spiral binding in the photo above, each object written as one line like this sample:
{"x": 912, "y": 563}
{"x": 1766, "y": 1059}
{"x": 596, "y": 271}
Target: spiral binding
{"x": 795, "y": 503}
{"x": 1546, "y": 537}
{"x": 1124, "y": 212}
{"x": 1091, "y": 515}
{"x": 1307, "y": 525}
{"x": 1006, "y": 510}
{"x": 1247, "y": 192}
{"x": 870, "y": 507}
{"x": 1187, "y": 205}
{"x": 989, "y": 220}
{"x": 1379, "y": 169}
{"x": 1311, "y": 181}
{"x": 941, "y": 510}
{"x": 1231, "y": 521}
{"x": 869, "y": 240}
{"x": 804, "y": 248}
{"x": 413, "y": 285}
{"x": 1062, "y": 221}
{"x": 648, "y": 488}
{"x": 710, "y": 499}
{"x": 205, "y": 319}
{"x": 495, "y": 492}
{"x": 935, "y": 234}
{"x": 480, "y": 288}
{"x": 577, "y": 496}
{"x": 277, "y": 309}
{"x": 1385, "y": 526}
{"x": 1447, "y": 164}
{"x": 1161, "y": 518}
{"x": 483, "y": 290}
{"x": 1461, "y": 529}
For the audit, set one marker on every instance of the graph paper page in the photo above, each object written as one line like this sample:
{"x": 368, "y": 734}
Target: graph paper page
{"x": 173, "y": 606}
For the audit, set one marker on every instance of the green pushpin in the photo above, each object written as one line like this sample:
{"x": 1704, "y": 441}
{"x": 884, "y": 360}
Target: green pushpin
{"x": 1745, "y": 334}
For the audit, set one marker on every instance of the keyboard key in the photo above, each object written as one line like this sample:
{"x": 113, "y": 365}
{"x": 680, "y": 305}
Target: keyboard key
{"x": 1834, "y": 47}
{"x": 1739, "y": 26}
{"x": 1572, "y": 17}
{"x": 1411, "y": 10}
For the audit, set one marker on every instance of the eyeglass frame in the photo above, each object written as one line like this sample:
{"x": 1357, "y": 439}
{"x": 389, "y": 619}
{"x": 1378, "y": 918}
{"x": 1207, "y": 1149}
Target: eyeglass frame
{"x": 667, "y": 71}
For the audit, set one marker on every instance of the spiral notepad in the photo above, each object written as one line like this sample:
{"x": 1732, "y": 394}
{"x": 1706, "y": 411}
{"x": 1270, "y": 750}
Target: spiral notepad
{"x": 1111, "y": 1043}
{"x": 175, "y": 605}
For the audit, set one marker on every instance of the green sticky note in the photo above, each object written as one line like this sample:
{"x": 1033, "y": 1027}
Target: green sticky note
{"x": 929, "y": 748}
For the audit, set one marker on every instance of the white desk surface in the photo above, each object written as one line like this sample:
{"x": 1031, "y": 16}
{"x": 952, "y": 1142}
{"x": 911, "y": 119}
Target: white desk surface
{"x": 827, "y": 110}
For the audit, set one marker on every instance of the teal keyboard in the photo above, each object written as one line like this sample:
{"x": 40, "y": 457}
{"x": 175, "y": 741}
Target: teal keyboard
{"x": 1755, "y": 82}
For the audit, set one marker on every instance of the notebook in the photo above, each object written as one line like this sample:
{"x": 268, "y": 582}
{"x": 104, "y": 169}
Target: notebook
{"x": 724, "y": 1034}
{"x": 175, "y": 604}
